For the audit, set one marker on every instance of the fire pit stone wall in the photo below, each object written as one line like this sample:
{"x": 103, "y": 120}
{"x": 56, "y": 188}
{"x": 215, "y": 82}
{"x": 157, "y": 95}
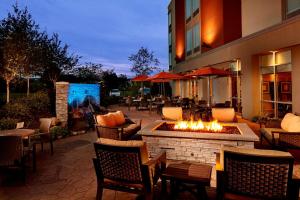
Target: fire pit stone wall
{"x": 194, "y": 146}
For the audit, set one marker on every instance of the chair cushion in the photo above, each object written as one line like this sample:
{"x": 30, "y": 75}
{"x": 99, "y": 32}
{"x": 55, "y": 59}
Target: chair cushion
{"x": 118, "y": 117}
{"x": 130, "y": 143}
{"x": 268, "y": 133}
{"x": 223, "y": 114}
{"x": 172, "y": 113}
{"x": 106, "y": 120}
{"x": 294, "y": 124}
{"x": 286, "y": 121}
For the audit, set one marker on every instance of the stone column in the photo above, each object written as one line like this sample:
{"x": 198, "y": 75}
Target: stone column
{"x": 62, "y": 91}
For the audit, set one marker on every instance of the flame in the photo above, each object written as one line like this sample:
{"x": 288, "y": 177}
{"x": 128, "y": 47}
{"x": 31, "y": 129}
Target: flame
{"x": 198, "y": 125}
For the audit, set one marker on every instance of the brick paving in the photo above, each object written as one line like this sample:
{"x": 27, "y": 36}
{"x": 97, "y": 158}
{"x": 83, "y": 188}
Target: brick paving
{"x": 69, "y": 173}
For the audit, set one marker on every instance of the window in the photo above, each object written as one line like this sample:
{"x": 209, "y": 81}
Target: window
{"x": 189, "y": 42}
{"x": 170, "y": 61}
{"x": 170, "y": 39}
{"x": 292, "y": 6}
{"x": 188, "y": 9}
{"x": 195, "y": 7}
{"x": 169, "y": 21}
{"x": 276, "y": 84}
{"x": 196, "y": 37}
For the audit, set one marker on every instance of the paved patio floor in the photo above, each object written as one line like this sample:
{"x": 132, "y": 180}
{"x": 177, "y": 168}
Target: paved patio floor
{"x": 69, "y": 173}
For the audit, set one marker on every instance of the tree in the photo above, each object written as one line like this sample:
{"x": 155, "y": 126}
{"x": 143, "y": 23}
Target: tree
{"x": 18, "y": 35}
{"x": 55, "y": 59}
{"x": 143, "y": 62}
{"x": 88, "y": 73}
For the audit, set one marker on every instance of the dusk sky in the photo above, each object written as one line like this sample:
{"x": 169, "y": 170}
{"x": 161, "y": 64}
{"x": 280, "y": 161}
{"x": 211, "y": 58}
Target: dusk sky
{"x": 103, "y": 31}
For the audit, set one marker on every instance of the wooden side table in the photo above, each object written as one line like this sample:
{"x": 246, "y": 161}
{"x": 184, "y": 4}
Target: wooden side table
{"x": 187, "y": 176}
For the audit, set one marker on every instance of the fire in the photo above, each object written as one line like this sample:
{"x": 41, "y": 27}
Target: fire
{"x": 198, "y": 125}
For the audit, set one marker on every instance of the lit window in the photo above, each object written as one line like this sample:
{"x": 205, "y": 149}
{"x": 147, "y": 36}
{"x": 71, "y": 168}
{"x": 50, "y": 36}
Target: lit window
{"x": 189, "y": 42}
{"x": 188, "y": 8}
{"x": 195, "y": 5}
{"x": 196, "y": 35}
{"x": 276, "y": 84}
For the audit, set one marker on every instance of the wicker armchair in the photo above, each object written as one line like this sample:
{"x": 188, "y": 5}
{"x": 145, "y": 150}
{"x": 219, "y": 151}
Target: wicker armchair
{"x": 255, "y": 174}
{"x": 126, "y": 131}
{"x": 277, "y": 137}
{"x": 125, "y": 166}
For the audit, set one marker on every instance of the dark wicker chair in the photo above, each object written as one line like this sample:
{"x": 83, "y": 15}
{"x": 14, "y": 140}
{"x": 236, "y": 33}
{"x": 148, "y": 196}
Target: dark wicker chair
{"x": 126, "y": 131}
{"x": 13, "y": 154}
{"x": 255, "y": 174}
{"x": 143, "y": 105}
{"x": 125, "y": 166}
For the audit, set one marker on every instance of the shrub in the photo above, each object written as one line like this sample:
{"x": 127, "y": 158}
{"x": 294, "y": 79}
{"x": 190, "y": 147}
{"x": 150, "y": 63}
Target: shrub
{"x": 16, "y": 111}
{"x": 57, "y": 131}
{"x": 7, "y": 123}
{"x": 109, "y": 100}
{"x": 38, "y": 102}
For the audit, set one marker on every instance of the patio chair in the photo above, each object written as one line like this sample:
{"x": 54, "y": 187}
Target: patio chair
{"x": 185, "y": 103}
{"x": 224, "y": 114}
{"x": 125, "y": 166}
{"x": 255, "y": 174}
{"x": 13, "y": 154}
{"x": 143, "y": 105}
{"x": 172, "y": 113}
{"x": 121, "y": 129}
{"x": 283, "y": 133}
{"x": 20, "y": 125}
{"x": 43, "y": 134}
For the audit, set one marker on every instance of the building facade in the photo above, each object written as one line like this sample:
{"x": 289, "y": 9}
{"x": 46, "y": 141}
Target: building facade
{"x": 257, "y": 41}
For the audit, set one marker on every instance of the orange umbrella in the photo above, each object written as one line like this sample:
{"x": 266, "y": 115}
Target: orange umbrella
{"x": 163, "y": 77}
{"x": 208, "y": 72}
{"x": 140, "y": 78}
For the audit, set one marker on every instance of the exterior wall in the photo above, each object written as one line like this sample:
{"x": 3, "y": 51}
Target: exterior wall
{"x": 246, "y": 50}
{"x": 260, "y": 14}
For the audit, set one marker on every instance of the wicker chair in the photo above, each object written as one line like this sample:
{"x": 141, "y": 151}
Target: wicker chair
{"x": 13, "y": 153}
{"x": 125, "y": 166}
{"x": 126, "y": 131}
{"x": 43, "y": 135}
{"x": 255, "y": 174}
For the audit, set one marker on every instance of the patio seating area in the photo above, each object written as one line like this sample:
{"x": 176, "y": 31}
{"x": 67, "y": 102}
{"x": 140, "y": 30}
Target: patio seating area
{"x": 69, "y": 173}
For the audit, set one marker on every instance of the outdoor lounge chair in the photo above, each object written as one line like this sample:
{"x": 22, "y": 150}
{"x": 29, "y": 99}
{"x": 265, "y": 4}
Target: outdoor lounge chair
{"x": 172, "y": 113}
{"x": 255, "y": 174}
{"x": 224, "y": 114}
{"x": 125, "y": 166}
{"x": 124, "y": 129}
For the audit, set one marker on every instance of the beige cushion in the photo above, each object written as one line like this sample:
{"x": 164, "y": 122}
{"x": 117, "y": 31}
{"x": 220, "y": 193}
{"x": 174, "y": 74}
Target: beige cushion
{"x": 45, "y": 124}
{"x": 286, "y": 121}
{"x": 118, "y": 117}
{"x": 172, "y": 113}
{"x": 223, "y": 114}
{"x": 106, "y": 120}
{"x": 130, "y": 143}
{"x": 294, "y": 124}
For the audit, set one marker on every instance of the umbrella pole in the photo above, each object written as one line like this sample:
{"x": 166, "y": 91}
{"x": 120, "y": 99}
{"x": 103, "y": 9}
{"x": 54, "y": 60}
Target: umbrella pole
{"x": 209, "y": 97}
{"x": 142, "y": 85}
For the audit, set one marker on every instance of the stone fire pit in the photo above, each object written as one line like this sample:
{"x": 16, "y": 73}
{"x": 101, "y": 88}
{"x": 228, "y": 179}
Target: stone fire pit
{"x": 195, "y": 146}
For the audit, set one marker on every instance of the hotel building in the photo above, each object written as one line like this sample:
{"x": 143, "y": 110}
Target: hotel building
{"x": 258, "y": 41}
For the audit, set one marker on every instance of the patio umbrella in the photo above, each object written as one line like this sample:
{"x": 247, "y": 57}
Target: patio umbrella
{"x": 140, "y": 78}
{"x": 163, "y": 77}
{"x": 208, "y": 72}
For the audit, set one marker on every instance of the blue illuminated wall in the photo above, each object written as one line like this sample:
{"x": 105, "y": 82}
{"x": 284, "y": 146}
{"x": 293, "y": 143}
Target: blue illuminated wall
{"x": 82, "y": 94}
